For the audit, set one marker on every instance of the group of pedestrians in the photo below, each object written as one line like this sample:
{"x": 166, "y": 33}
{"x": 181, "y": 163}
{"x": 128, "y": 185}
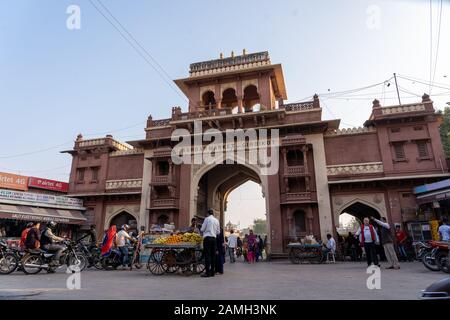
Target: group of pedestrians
{"x": 216, "y": 246}
{"x": 251, "y": 247}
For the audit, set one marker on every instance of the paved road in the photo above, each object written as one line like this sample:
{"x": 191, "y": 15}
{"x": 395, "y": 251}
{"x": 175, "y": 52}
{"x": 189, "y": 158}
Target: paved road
{"x": 266, "y": 280}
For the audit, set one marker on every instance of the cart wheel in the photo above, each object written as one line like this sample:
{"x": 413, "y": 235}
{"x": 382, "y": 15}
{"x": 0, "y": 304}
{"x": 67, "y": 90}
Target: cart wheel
{"x": 155, "y": 262}
{"x": 170, "y": 261}
{"x": 294, "y": 256}
{"x": 317, "y": 257}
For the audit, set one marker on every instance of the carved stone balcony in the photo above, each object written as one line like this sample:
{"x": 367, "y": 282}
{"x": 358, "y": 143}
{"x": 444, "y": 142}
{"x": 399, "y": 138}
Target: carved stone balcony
{"x": 160, "y": 180}
{"x": 295, "y": 171}
{"x": 163, "y": 203}
{"x": 298, "y": 197}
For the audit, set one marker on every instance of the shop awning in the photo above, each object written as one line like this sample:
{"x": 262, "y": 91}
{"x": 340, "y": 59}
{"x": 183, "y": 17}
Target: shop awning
{"x": 29, "y": 213}
{"x": 433, "y": 196}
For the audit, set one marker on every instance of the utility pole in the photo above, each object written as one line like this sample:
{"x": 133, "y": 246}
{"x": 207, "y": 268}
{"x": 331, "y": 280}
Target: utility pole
{"x": 396, "y": 86}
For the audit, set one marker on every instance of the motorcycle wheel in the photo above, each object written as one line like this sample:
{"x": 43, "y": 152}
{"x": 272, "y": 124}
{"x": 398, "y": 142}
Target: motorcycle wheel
{"x": 34, "y": 260}
{"x": 429, "y": 262}
{"x": 109, "y": 265}
{"x": 78, "y": 261}
{"x": 8, "y": 263}
{"x": 97, "y": 263}
{"x": 442, "y": 261}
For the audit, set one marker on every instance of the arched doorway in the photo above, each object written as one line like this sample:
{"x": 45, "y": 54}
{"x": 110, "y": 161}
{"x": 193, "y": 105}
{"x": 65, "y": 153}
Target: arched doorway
{"x": 361, "y": 210}
{"x": 124, "y": 218}
{"x": 355, "y": 214}
{"x": 214, "y": 184}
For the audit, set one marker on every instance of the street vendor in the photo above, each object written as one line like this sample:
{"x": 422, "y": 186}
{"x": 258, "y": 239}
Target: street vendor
{"x": 194, "y": 228}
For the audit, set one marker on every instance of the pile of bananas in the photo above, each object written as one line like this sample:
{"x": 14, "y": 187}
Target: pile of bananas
{"x": 192, "y": 237}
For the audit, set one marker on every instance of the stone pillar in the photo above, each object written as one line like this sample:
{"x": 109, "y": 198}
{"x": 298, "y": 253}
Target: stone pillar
{"x": 145, "y": 193}
{"x": 219, "y": 103}
{"x": 283, "y": 152}
{"x": 241, "y": 104}
{"x": 323, "y": 194}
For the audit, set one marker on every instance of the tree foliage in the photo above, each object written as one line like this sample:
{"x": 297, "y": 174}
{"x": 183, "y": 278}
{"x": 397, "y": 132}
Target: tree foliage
{"x": 445, "y": 130}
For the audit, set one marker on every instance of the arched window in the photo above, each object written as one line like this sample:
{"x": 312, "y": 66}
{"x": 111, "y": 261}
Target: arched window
{"x": 299, "y": 222}
{"x": 208, "y": 100}
{"x": 124, "y": 218}
{"x": 229, "y": 98}
{"x": 251, "y": 97}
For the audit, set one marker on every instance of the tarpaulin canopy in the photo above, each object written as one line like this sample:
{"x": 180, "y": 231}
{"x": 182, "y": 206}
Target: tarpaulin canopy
{"x": 30, "y": 213}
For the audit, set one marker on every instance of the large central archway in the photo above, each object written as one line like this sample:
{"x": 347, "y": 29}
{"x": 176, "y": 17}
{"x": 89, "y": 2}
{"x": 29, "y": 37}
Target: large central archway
{"x": 212, "y": 185}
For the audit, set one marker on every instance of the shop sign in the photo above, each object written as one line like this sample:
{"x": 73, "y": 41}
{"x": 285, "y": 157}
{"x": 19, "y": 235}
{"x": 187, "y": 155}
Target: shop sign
{"x": 48, "y": 184}
{"x": 13, "y": 181}
{"x": 36, "y": 198}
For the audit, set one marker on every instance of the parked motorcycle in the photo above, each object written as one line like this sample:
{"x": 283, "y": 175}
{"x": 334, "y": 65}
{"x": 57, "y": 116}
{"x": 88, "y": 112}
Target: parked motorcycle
{"x": 92, "y": 255}
{"x": 8, "y": 260}
{"x": 435, "y": 258}
{"x": 37, "y": 260}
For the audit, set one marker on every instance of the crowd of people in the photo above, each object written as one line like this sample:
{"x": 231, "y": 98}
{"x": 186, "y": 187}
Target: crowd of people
{"x": 217, "y": 247}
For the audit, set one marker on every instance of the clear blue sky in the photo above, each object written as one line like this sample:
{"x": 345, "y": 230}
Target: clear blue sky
{"x": 56, "y": 83}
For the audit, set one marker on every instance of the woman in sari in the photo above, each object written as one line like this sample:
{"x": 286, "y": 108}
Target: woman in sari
{"x": 108, "y": 240}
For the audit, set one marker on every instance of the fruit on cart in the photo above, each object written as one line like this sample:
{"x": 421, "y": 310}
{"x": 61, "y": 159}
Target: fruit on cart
{"x": 192, "y": 237}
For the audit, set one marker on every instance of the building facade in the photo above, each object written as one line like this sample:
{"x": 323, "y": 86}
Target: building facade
{"x": 26, "y": 199}
{"x": 323, "y": 171}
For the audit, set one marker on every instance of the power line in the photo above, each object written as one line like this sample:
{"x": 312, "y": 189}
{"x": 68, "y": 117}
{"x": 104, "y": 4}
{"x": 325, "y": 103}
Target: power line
{"x": 416, "y": 79}
{"x": 431, "y": 41}
{"x": 134, "y": 47}
{"x": 438, "y": 40}
{"x": 344, "y": 92}
{"x": 34, "y": 152}
{"x": 423, "y": 82}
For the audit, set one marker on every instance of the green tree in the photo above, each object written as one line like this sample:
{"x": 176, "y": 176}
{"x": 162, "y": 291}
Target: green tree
{"x": 445, "y": 130}
{"x": 353, "y": 224}
{"x": 260, "y": 226}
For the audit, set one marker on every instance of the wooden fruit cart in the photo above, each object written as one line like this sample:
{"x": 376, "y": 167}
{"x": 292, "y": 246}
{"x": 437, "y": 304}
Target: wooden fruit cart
{"x": 305, "y": 253}
{"x": 170, "y": 258}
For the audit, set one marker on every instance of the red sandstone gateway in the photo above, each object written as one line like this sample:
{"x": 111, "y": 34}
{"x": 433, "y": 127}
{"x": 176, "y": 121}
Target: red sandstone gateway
{"x": 324, "y": 170}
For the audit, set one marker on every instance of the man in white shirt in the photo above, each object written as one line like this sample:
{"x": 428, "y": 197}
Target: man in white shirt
{"x": 210, "y": 229}
{"x": 444, "y": 230}
{"x": 121, "y": 242}
{"x": 331, "y": 244}
{"x": 368, "y": 238}
{"x": 232, "y": 244}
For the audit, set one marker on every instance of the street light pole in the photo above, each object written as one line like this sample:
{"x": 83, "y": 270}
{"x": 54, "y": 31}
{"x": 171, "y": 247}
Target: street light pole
{"x": 396, "y": 86}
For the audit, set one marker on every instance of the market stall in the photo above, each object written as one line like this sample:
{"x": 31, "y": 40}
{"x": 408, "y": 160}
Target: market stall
{"x": 174, "y": 253}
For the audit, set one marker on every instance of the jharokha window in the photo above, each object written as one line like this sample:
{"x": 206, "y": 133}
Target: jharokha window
{"x": 80, "y": 174}
{"x": 399, "y": 151}
{"x": 422, "y": 149}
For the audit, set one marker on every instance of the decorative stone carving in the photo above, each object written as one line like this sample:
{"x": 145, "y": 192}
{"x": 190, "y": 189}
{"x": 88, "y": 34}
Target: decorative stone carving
{"x": 403, "y": 109}
{"x": 377, "y": 198}
{"x": 348, "y": 131}
{"x": 124, "y": 184}
{"x": 356, "y": 168}
{"x": 338, "y": 201}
